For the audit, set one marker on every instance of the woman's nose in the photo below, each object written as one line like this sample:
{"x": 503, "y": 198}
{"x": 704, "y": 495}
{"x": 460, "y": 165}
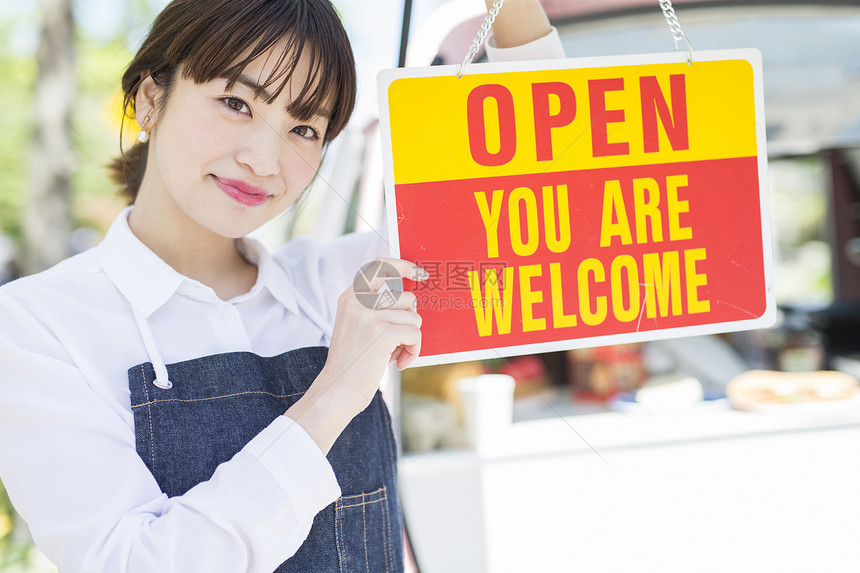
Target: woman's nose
{"x": 260, "y": 149}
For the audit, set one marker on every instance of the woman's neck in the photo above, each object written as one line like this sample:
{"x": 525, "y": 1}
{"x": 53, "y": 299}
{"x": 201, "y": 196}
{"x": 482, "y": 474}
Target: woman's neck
{"x": 191, "y": 249}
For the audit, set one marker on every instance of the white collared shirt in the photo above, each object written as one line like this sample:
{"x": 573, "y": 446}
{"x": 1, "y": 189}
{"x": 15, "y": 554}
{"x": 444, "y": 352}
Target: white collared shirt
{"x": 67, "y": 445}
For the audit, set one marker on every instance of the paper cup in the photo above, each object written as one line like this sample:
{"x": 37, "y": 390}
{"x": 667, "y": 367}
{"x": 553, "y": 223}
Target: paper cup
{"x": 488, "y": 405}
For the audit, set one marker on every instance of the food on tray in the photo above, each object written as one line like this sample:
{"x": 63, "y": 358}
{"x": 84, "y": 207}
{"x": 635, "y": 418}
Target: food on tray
{"x": 765, "y": 389}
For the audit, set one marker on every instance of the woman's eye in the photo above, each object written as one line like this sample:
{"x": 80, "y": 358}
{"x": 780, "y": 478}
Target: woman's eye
{"x": 236, "y": 105}
{"x": 307, "y": 132}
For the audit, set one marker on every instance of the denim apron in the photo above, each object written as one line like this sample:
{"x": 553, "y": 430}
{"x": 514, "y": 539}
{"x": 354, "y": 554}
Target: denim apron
{"x": 219, "y": 403}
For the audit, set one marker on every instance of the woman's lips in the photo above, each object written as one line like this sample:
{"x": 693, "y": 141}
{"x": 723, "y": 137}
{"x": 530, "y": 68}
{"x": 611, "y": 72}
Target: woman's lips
{"x": 242, "y": 192}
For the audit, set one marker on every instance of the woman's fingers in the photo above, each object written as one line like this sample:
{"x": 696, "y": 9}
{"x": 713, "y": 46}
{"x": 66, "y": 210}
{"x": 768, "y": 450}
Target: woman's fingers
{"x": 395, "y": 335}
{"x": 373, "y": 328}
{"x": 374, "y": 274}
{"x": 400, "y": 317}
{"x": 408, "y": 354}
{"x": 403, "y": 301}
{"x": 396, "y": 354}
{"x": 405, "y": 360}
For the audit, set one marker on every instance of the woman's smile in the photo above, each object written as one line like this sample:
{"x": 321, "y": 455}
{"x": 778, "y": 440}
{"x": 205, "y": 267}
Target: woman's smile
{"x": 242, "y": 192}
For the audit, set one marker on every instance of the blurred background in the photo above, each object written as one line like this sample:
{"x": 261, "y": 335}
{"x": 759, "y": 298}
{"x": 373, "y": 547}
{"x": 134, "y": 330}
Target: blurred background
{"x": 60, "y": 64}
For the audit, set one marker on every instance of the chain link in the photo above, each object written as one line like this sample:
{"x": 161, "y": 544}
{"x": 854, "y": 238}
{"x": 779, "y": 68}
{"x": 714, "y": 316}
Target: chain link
{"x": 665, "y": 5}
{"x": 675, "y": 27}
{"x": 482, "y": 34}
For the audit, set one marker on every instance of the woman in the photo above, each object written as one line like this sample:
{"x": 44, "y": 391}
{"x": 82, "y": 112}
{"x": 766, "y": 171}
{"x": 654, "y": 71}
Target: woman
{"x": 178, "y": 399}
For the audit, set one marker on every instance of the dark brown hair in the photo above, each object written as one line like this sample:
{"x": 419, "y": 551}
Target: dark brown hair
{"x": 205, "y": 38}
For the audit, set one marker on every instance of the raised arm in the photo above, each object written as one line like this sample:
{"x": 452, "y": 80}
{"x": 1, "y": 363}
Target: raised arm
{"x": 519, "y": 22}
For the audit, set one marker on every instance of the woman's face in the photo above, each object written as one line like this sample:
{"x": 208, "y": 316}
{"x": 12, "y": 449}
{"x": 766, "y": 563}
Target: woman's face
{"x": 228, "y": 160}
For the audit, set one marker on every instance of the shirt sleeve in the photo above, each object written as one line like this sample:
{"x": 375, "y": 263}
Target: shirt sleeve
{"x": 70, "y": 465}
{"x": 545, "y": 48}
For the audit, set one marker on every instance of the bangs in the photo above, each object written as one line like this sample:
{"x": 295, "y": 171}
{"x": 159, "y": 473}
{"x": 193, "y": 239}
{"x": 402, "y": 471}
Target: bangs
{"x": 308, "y": 28}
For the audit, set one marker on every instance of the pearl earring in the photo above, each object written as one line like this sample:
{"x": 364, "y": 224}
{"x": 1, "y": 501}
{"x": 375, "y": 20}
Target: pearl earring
{"x": 143, "y": 135}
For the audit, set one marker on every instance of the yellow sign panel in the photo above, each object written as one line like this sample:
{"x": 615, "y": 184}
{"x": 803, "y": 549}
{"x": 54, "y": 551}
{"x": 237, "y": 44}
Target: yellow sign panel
{"x": 624, "y": 99}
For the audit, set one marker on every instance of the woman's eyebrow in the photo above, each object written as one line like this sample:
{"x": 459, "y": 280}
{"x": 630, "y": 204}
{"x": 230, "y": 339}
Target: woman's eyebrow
{"x": 246, "y": 80}
{"x": 249, "y": 82}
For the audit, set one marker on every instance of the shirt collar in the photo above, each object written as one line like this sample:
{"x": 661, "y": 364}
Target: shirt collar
{"x": 141, "y": 276}
{"x": 270, "y": 275}
{"x": 147, "y": 282}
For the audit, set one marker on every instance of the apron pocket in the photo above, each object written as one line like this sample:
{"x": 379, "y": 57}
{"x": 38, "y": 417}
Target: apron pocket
{"x": 363, "y": 529}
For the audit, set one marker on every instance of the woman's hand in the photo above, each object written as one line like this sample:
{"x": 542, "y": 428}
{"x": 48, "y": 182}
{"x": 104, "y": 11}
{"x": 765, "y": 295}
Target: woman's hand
{"x": 371, "y": 330}
{"x": 519, "y": 22}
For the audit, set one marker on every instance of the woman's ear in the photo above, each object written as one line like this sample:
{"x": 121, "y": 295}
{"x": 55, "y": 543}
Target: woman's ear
{"x": 144, "y": 102}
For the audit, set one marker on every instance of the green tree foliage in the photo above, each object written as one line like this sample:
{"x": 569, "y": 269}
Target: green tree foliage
{"x": 17, "y": 74}
{"x": 96, "y": 131}
{"x": 96, "y": 122}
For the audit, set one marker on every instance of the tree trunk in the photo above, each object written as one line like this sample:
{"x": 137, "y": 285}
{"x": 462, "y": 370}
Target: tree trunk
{"x": 47, "y": 212}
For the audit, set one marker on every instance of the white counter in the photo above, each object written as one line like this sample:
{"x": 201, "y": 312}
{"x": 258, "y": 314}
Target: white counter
{"x": 710, "y": 489}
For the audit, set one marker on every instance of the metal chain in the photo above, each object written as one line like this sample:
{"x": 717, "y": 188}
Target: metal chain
{"x": 675, "y": 27}
{"x": 665, "y": 5}
{"x": 482, "y": 34}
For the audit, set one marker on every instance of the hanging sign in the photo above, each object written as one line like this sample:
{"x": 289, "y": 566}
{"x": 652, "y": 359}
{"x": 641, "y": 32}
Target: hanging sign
{"x": 583, "y": 202}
